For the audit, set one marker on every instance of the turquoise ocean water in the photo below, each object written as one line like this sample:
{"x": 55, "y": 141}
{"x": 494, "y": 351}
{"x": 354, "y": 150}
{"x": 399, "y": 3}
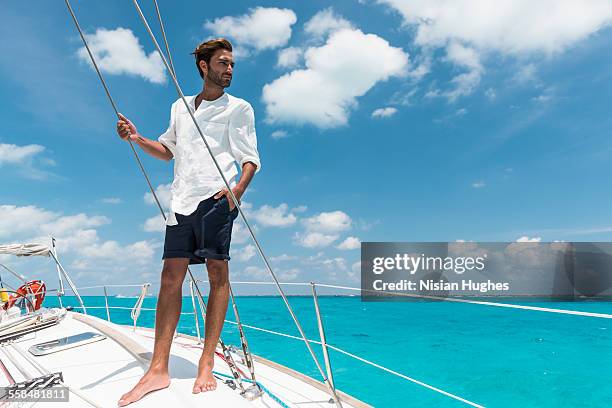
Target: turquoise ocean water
{"x": 496, "y": 357}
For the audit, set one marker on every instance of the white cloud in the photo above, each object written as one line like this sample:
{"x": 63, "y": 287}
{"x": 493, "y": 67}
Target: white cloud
{"x": 356, "y": 267}
{"x": 240, "y": 233}
{"x": 245, "y": 253}
{"x": 141, "y": 251}
{"x": 268, "y": 216}
{"x": 283, "y": 258}
{"x": 423, "y": 68}
{"x": 289, "y": 57}
{"x": 324, "y": 23}
{"x": 256, "y": 272}
{"x": 464, "y": 56}
{"x": 155, "y": 224}
{"x": 507, "y": 26}
{"x": 279, "y": 134}
{"x": 119, "y": 52}
{"x": 314, "y": 239}
{"x": 347, "y": 66}
{"x": 469, "y": 29}
{"x": 525, "y": 74}
{"x": 65, "y": 225}
{"x": 79, "y": 245}
{"x": 26, "y": 160}
{"x": 328, "y": 222}
{"x": 384, "y": 112}
{"x": 13, "y": 154}
{"x": 322, "y": 229}
{"x": 288, "y": 274}
{"x": 545, "y": 97}
{"x": 262, "y": 28}
{"x": 335, "y": 264}
{"x": 478, "y": 184}
{"x": 528, "y": 239}
{"x": 262, "y": 274}
{"x": 461, "y": 112}
{"x": 350, "y": 243}
{"x": 112, "y": 200}
{"x": 466, "y": 82}
{"x": 164, "y": 194}
{"x": 490, "y": 94}
{"x": 15, "y": 222}
{"x": 299, "y": 209}
{"x": 38, "y": 223}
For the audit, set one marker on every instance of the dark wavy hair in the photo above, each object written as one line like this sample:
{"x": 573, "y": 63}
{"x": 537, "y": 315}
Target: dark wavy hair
{"x": 205, "y": 51}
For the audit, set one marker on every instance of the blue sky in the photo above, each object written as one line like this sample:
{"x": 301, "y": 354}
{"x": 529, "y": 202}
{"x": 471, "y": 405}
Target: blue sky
{"x": 490, "y": 125}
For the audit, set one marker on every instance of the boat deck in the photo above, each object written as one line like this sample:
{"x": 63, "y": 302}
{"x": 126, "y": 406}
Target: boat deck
{"x": 102, "y": 371}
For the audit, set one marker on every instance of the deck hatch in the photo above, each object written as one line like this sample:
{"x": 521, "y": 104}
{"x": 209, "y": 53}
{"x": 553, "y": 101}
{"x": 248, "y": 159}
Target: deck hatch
{"x": 64, "y": 343}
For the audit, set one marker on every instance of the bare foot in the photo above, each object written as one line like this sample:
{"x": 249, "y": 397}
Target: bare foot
{"x": 149, "y": 382}
{"x": 206, "y": 381}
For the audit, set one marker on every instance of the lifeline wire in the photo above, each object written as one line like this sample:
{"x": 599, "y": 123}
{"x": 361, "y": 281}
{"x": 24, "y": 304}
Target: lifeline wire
{"x": 235, "y": 200}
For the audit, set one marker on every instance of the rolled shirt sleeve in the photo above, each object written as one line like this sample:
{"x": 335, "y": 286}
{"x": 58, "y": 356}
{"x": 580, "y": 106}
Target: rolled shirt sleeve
{"x": 242, "y": 136}
{"x": 168, "y": 139}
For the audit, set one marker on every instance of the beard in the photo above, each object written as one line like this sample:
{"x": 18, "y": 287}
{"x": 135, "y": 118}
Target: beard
{"x": 218, "y": 79}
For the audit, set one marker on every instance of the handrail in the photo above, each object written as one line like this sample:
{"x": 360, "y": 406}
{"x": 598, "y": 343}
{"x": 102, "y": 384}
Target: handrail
{"x": 448, "y": 299}
{"x": 416, "y": 296}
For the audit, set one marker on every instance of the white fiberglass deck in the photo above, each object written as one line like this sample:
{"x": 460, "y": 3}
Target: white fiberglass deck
{"x": 102, "y": 371}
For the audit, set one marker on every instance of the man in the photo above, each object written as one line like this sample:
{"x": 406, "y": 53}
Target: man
{"x": 199, "y": 225}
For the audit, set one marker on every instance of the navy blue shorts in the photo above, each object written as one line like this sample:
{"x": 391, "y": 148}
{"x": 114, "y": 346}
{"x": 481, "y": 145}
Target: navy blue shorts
{"x": 203, "y": 234}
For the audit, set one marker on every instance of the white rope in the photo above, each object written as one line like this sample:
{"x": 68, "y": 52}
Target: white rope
{"x": 136, "y": 309}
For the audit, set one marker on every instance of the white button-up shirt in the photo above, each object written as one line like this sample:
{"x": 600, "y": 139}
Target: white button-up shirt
{"x": 228, "y": 124}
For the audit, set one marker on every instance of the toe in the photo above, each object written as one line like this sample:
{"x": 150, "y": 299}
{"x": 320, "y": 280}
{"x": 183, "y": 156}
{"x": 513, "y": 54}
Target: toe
{"x": 123, "y": 401}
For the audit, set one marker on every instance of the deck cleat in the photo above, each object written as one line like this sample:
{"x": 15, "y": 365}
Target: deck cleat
{"x": 252, "y": 393}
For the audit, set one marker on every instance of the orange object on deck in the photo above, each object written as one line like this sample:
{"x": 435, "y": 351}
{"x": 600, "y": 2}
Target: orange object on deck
{"x": 37, "y": 288}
